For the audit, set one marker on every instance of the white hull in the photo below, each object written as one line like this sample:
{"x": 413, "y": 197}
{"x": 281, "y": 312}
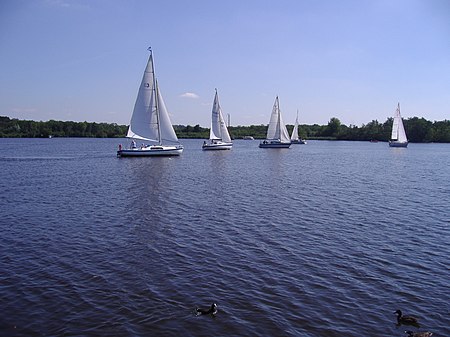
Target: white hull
{"x": 219, "y": 137}
{"x": 277, "y": 134}
{"x": 150, "y": 121}
{"x": 394, "y": 143}
{"x": 299, "y": 141}
{"x": 151, "y": 151}
{"x": 398, "y": 134}
{"x": 274, "y": 144}
{"x": 217, "y": 146}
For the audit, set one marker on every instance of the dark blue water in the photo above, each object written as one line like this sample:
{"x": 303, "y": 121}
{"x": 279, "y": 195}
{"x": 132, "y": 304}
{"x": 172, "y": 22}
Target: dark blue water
{"x": 323, "y": 239}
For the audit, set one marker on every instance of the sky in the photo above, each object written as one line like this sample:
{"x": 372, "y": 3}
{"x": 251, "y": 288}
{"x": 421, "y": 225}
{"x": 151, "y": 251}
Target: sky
{"x": 83, "y": 60}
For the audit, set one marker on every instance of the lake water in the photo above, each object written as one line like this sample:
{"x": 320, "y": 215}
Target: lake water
{"x": 323, "y": 239}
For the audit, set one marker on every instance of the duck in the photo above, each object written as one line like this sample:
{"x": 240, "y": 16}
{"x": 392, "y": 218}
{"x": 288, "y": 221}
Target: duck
{"x": 408, "y": 320}
{"x": 211, "y": 311}
{"x": 419, "y": 333}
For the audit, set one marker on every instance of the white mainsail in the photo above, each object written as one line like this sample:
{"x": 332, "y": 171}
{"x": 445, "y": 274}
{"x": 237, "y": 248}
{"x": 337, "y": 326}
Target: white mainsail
{"x": 277, "y": 129}
{"x": 398, "y": 130}
{"x": 143, "y": 124}
{"x": 150, "y": 120}
{"x": 294, "y": 136}
{"x": 218, "y": 129}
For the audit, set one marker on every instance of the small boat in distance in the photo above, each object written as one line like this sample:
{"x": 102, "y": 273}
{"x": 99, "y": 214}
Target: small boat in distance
{"x": 248, "y": 138}
{"x": 398, "y": 135}
{"x": 219, "y": 138}
{"x": 294, "y": 137}
{"x": 277, "y": 134}
{"x": 150, "y": 121}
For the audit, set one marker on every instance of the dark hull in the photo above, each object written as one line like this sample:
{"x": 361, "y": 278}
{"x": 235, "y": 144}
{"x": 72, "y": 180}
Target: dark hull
{"x": 300, "y": 141}
{"x": 274, "y": 145}
{"x": 398, "y": 144}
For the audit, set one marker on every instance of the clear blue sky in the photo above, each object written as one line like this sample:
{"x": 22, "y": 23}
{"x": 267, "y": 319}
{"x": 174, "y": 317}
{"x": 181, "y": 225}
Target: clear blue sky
{"x": 351, "y": 59}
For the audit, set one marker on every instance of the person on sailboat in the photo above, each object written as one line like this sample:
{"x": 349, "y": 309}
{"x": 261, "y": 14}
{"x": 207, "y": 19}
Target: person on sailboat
{"x": 133, "y": 144}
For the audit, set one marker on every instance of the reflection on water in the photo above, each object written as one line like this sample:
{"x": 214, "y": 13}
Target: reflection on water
{"x": 323, "y": 239}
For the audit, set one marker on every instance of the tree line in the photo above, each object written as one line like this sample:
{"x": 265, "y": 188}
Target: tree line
{"x": 31, "y": 129}
{"x": 418, "y": 130}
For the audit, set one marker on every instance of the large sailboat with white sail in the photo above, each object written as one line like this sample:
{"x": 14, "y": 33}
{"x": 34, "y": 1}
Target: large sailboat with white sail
{"x": 398, "y": 135}
{"x": 219, "y": 137}
{"x": 150, "y": 122}
{"x": 277, "y": 133}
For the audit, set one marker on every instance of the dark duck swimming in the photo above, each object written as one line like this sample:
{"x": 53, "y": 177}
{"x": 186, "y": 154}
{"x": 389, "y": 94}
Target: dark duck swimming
{"x": 211, "y": 311}
{"x": 419, "y": 333}
{"x": 407, "y": 320}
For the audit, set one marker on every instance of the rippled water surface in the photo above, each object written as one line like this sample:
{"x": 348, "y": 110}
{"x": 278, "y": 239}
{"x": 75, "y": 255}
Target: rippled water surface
{"x": 323, "y": 239}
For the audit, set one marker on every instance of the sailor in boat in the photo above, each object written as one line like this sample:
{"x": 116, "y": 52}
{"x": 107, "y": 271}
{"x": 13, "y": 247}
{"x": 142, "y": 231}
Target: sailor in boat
{"x": 133, "y": 144}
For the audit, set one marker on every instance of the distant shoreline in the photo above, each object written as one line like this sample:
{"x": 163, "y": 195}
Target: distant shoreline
{"x": 418, "y": 130}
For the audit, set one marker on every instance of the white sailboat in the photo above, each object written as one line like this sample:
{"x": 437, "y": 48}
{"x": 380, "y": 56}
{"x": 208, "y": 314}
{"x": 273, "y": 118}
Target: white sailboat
{"x": 150, "y": 121}
{"x": 294, "y": 137}
{"x": 219, "y": 138}
{"x": 398, "y": 135}
{"x": 277, "y": 134}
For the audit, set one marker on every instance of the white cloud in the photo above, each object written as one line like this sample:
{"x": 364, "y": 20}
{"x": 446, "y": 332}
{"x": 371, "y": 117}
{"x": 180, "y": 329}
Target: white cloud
{"x": 66, "y": 4}
{"x": 57, "y": 3}
{"x": 189, "y": 95}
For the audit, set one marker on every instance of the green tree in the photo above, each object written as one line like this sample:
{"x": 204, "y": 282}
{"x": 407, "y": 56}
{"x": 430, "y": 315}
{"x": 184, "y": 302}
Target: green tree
{"x": 333, "y": 128}
{"x": 417, "y": 129}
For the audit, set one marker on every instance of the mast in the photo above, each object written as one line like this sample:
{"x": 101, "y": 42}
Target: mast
{"x": 294, "y": 135}
{"x": 279, "y": 118}
{"x": 156, "y": 91}
{"x": 157, "y": 113}
{"x": 219, "y": 116}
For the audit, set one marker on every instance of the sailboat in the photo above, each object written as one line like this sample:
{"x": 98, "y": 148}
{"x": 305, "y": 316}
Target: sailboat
{"x": 150, "y": 121}
{"x": 398, "y": 135}
{"x": 277, "y": 134}
{"x": 219, "y": 138}
{"x": 294, "y": 137}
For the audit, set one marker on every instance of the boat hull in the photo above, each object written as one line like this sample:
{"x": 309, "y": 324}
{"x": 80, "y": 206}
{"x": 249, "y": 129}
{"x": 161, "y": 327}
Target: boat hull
{"x": 151, "y": 151}
{"x": 267, "y": 144}
{"x": 300, "y": 141}
{"x": 394, "y": 143}
{"x": 217, "y": 146}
